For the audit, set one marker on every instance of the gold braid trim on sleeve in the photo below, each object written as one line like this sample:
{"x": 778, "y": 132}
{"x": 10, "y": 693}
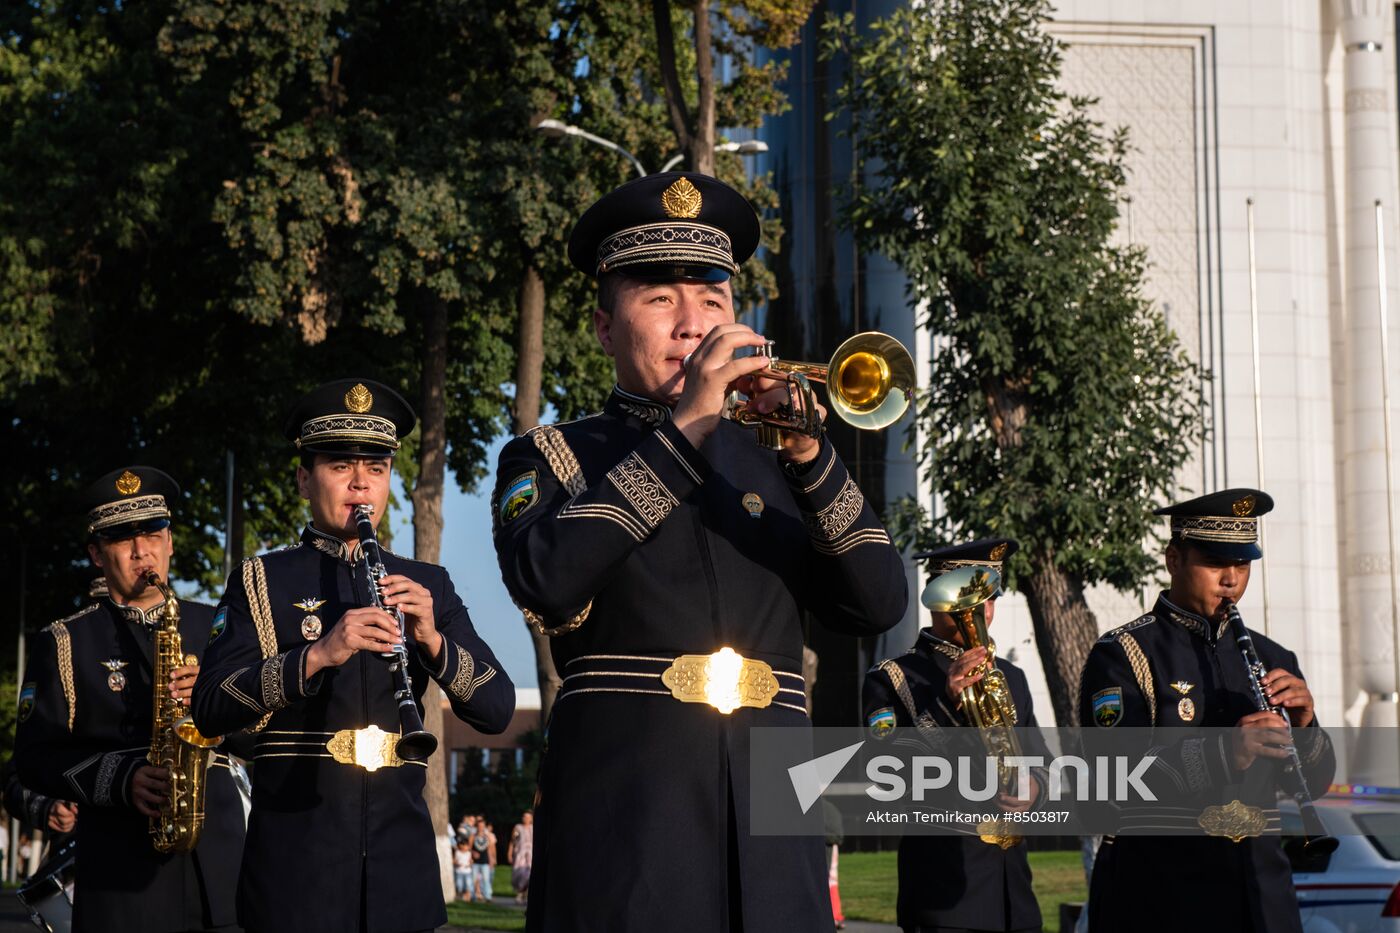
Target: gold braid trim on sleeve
{"x": 260, "y": 605}
{"x": 1141, "y": 671}
{"x": 64, "y": 643}
{"x": 556, "y": 450}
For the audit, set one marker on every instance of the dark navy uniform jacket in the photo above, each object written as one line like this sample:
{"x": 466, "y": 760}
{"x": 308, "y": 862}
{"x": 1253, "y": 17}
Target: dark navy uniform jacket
{"x": 329, "y": 843}
{"x": 622, "y": 541}
{"x": 84, "y": 729}
{"x": 950, "y": 880}
{"x": 1172, "y": 668}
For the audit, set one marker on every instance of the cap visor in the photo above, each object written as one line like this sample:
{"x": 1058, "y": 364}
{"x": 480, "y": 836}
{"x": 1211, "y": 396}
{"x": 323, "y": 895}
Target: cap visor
{"x": 1228, "y": 551}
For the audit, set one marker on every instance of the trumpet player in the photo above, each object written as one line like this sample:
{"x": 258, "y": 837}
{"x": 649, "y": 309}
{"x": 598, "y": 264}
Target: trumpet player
{"x": 968, "y": 881}
{"x": 339, "y": 837}
{"x": 668, "y": 557}
{"x": 1214, "y": 831}
{"x": 85, "y": 719}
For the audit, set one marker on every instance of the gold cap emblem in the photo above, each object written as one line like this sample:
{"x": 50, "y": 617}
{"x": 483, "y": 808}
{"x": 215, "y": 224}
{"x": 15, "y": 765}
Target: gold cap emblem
{"x": 682, "y": 199}
{"x": 128, "y": 483}
{"x": 358, "y": 399}
{"x": 998, "y": 552}
{"x": 1243, "y": 507}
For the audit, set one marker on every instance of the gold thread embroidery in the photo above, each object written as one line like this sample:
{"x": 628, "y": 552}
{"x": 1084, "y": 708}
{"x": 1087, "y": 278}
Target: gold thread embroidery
{"x": 64, "y": 643}
{"x": 833, "y": 521}
{"x": 560, "y": 456}
{"x": 1142, "y": 672}
{"x": 274, "y": 692}
{"x": 460, "y": 687}
{"x": 260, "y": 605}
{"x": 643, "y": 489}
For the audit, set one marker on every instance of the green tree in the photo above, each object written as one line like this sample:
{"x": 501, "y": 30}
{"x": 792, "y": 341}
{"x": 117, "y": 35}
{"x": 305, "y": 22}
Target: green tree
{"x": 1061, "y": 407}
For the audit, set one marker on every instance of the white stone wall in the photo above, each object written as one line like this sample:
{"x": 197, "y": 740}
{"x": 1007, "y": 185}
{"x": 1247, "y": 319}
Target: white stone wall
{"x": 1228, "y": 101}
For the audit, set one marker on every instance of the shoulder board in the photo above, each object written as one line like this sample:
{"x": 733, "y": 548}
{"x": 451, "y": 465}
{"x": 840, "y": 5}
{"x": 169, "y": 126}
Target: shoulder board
{"x": 74, "y": 617}
{"x": 1112, "y": 634}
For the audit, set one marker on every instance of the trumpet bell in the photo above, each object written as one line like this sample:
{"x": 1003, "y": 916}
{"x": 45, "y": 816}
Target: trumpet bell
{"x": 961, "y": 589}
{"x": 870, "y": 380}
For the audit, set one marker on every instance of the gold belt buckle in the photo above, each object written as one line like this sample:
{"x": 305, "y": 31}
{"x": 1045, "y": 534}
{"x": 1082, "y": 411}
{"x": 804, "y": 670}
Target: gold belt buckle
{"x": 371, "y": 748}
{"x": 1235, "y": 821}
{"x": 726, "y": 680}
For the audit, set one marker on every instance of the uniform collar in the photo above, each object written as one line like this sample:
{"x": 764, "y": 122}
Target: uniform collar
{"x": 1197, "y": 625}
{"x": 622, "y": 404}
{"x": 941, "y": 645}
{"x": 331, "y": 545}
{"x": 147, "y": 617}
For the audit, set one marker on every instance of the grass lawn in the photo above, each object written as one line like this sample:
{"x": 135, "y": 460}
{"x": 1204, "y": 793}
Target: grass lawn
{"x": 478, "y": 916}
{"x": 867, "y": 891}
{"x": 868, "y": 884}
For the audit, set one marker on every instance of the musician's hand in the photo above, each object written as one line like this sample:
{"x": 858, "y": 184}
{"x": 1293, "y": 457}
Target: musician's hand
{"x": 417, "y": 605}
{"x": 1010, "y": 803}
{"x": 364, "y": 629}
{"x": 149, "y": 788}
{"x": 1259, "y": 735}
{"x": 63, "y": 816}
{"x": 1292, "y": 693}
{"x": 767, "y": 396}
{"x": 964, "y": 672}
{"x": 710, "y": 374}
{"x": 182, "y": 682}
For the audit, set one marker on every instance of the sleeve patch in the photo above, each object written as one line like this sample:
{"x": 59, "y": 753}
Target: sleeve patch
{"x": 220, "y": 620}
{"x": 26, "y": 700}
{"x": 881, "y": 722}
{"x": 1108, "y": 707}
{"x": 519, "y": 496}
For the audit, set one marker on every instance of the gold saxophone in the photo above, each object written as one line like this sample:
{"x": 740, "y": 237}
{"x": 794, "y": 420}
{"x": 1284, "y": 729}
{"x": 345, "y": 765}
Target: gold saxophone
{"x": 176, "y": 744}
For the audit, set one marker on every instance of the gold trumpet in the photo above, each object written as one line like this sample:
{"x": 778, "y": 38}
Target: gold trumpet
{"x": 869, "y": 382}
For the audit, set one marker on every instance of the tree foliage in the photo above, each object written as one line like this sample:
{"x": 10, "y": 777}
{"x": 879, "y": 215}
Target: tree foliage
{"x": 1061, "y": 406}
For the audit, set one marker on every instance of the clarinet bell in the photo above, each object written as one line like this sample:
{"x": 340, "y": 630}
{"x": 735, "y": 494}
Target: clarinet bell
{"x": 420, "y": 745}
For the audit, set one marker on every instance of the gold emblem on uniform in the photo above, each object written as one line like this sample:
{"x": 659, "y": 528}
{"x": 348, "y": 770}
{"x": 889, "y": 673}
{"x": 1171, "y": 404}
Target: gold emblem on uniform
{"x": 116, "y": 680}
{"x": 1243, "y": 507}
{"x": 1186, "y": 709}
{"x": 311, "y": 628}
{"x": 1182, "y": 687}
{"x": 191, "y": 660}
{"x": 753, "y": 504}
{"x": 998, "y": 552}
{"x": 358, "y": 399}
{"x": 1235, "y": 821}
{"x": 128, "y": 484}
{"x": 682, "y": 199}
{"x": 310, "y": 604}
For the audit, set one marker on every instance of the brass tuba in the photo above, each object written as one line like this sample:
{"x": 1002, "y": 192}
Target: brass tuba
{"x": 176, "y": 744}
{"x": 987, "y": 703}
{"x": 869, "y": 382}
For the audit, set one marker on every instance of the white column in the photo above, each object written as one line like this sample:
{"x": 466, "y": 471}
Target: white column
{"x": 1370, "y": 177}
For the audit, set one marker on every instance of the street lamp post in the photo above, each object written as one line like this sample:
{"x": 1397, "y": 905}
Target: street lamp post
{"x": 558, "y": 129}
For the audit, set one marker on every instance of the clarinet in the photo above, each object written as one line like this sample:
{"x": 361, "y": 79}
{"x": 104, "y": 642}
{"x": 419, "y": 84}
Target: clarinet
{"x": 415, "y": 743}
{"x": 1315, "y": 838}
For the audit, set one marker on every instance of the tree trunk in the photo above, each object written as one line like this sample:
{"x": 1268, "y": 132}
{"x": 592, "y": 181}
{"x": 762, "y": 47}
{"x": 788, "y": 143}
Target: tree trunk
{"x": 1065, "y": 630}
{"x": 237, "y": 525}
{"x": 676, "y": 109}
{"x": 427, "y": 547}
{"x": 702, "y": 142}
{"x": 529, "y": 368}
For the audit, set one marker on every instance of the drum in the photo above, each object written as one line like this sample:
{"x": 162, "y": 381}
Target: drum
{"x": 48, "y": 896}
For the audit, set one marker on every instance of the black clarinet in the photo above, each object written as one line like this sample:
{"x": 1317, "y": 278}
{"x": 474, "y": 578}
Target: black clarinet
{"x": 1315, "y": 838}
{"x": 415, "y": 743}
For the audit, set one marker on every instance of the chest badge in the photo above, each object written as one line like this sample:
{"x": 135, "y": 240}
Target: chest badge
{"x": 311, "y": 624}
{"x": 1182, "y": 687}
{"x": 116, "y": 680}
{"x": 1186, "y": 709}
{"x": 753, "y": 504}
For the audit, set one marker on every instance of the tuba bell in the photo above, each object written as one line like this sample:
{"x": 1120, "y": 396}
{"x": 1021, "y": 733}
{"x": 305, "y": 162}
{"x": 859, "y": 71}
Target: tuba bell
{"x": 987, "y": 704}
{"x": 869, "y": 383}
